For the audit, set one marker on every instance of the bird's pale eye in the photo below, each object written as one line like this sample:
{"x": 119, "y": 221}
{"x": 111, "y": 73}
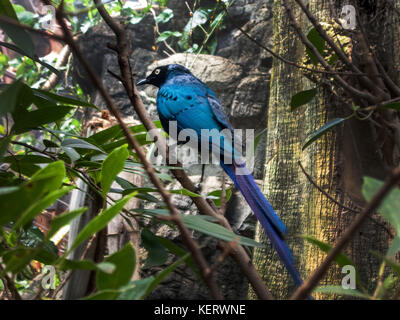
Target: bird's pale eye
{"x": 157, "y": 72}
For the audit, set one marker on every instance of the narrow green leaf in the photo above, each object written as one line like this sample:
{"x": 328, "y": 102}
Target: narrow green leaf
{"x": 167, "y": 34}
{"x": 318, "y": 42}
{"x": 341, "y": 291}
{"x": 4, "y": 142}
{"x": 63, "y": 219}
{"x": 137, "y": 289}
{"x": 164, "y": 273}
{"x": 394, "y": 105}
{"x": 46, "y": 180}
{"x": 79, "y": 144}
{"x": 71, "y": 153}
{"x": 390, "y": 206}
{"x": 18, "y": 35}
{"x": 342, "y": 259}
{"x": 177, "y": 250}
{"x": 67, "y": 264}
{"x": 112, "y": 165}
{"x": 33, "y": 119}
{"x": 62, "y": 99}
{"x": 100, "y": 221}
{"x": 9, "y": 97}
{"x": 216, "y": 196}
{"x": 30, "y": 56}
{"x": 321, "y": 131}
{"x": 185, "y": 192}
{"x": 302, "y": 98}
{"x": 104, "y": 295}
{"x": 125, "y": 264}
{"x": 200, "y": 223}
{"x": 22, "y": 158}
{"x": 156, "y": 254}
{"x": 39, "y": 206}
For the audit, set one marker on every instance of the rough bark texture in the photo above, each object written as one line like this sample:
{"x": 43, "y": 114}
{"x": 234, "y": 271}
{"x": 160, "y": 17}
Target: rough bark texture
{"x": 336, "y": 162}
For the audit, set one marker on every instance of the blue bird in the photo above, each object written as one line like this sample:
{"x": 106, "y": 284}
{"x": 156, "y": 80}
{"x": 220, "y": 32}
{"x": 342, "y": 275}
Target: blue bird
{"x": 193, "y": 105}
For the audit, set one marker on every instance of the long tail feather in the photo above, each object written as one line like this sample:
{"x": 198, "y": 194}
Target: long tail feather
{"x": 272, "y": 225}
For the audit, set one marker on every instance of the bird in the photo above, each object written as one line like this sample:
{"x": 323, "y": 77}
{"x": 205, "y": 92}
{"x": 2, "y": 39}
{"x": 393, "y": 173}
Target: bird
{"x": 184, "y": 98}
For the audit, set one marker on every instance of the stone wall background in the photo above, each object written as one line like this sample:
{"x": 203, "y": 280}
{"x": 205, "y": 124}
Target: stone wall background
{"x": 239, "y": 75}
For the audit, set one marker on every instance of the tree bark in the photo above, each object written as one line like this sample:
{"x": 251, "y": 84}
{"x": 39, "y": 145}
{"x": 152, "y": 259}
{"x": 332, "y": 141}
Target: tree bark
{"x": 336, "y": 162}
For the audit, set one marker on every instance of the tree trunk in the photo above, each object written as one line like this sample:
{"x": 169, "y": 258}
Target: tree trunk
{"x": 336, "y": 163}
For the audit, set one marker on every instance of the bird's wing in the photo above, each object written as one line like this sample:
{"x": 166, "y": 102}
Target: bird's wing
{"x": 217, "y": 110}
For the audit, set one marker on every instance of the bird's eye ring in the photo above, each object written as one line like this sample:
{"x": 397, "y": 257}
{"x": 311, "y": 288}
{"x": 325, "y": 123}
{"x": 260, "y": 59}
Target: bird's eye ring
{"x": 157, "y": 71}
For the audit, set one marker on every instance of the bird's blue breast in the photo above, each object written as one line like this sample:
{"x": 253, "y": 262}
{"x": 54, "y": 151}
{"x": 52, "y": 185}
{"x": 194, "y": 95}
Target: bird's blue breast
{"x": 187, "y": 103}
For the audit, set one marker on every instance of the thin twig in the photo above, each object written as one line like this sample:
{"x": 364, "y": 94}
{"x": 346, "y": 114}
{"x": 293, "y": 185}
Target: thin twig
{"x": 225, "y": 253}
{"x": 340, "y": 204}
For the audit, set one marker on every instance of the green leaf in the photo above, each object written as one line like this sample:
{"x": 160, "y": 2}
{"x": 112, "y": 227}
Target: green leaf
{"x": 137, "y": 289}
{"x": 50, "y": 144}
{"x": 175, "y": 249}
{"x": 105, "y": 135}
{"x": 185, "y": 192}
{"x": 165, "y": 16}
{"x": 318, "y": 42}
{"x": 9, "y": 97}
{"x": 200, "y": 223}
{"x": 302, "y": 98}
{"x": 100, "y": 221}
{"x": 62, "y": 99}
{"x": 389, "y": 261}
{"x": 156, "y": 254}
{"x": 390, "y": 206}
{"x": 112, "y": 166}
{"x": 39, "y": 206}
{"x": 79, "y": 144}
{"x": 46, "y": 180}
{"x": 341, "y": 259}
{"x": 166, "y": 34}
{"x": 18, "y": 35}
{"x": 4, "y": 142}
{"x": 164, "y": 273}
{"x": 321, "y": 131}
{"x": 125, "y": 264}
{"x": 71, "y": 153}
{"x": 394, "y": 247}
{"x": 63, "y": 219}
{"x": 394, "y": 105}
{"x": 32, "y": 57}
{"x": 30, "y": 120}
{"x": 341, "y": 291}
{"x": 104, "y": 295}
{"x": 216, "y": 196}
{"x": 22, "y": 158}
{"x": 16, "y": 259}
{"x": 200, "y": 17}
{"x": 67, "y": 264}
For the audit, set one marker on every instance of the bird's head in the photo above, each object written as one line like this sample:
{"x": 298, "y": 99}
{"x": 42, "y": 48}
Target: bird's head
{"x": 161, "y": 74}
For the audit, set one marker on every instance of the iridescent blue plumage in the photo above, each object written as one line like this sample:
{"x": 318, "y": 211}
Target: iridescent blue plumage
{"x": 193, "y": 105}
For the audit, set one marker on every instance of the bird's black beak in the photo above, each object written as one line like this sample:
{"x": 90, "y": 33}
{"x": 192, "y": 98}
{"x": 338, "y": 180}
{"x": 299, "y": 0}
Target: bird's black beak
{"x": 141, "y": 82}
